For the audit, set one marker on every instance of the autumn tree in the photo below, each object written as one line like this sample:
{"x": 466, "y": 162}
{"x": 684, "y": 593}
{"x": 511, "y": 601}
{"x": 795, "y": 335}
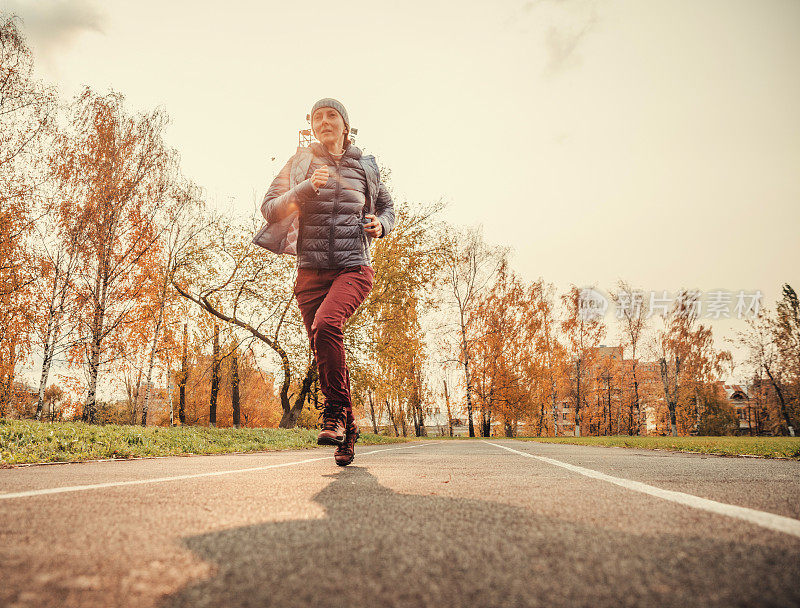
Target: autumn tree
{"x": 687, "y": 358}
{"x": 717, "y": 415}
{"x": 786, "y": 333}
{"x": 385, "y": 339}
{"x": 767, "y": 361}
{"x": 251, "y": 289}
{"x": 500, "y": 352}
{"x": 54, "y": 303}
{"x": 183, "y": 224}
{"x": 583, "y": 329}
{"x": 546, "y": 368}
{"x": 469, "y": 265}
{"x": 120, "y": 168}
{"x": 26, "y": 112}
{"x": 58, "y": 242}
{"x": 632, "y": 315}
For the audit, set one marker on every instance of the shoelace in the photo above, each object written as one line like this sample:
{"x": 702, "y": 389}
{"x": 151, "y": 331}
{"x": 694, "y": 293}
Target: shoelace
{"x": 329, "y": 415}
{"x": 351, "y": 437}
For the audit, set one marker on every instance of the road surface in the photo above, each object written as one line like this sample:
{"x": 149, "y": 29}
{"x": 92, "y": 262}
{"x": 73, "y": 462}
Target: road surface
{"x": 439, "y": 523}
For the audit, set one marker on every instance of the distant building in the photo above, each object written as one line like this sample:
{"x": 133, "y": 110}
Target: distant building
{"x": 607, "y": 370}
{"x": 750, "y": 402}
{"x": 737, "y": 396}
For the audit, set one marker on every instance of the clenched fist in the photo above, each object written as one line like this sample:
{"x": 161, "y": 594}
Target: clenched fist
{"x": 373, "y": 228}
{"x": 320, "y": 177}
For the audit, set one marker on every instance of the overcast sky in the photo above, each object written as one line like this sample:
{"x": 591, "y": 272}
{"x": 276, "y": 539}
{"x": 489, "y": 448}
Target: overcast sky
{"x": 655, "y": 141}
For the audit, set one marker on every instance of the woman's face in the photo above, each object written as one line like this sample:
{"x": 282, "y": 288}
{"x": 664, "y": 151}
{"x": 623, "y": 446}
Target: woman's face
{"x": 328, "y": 126}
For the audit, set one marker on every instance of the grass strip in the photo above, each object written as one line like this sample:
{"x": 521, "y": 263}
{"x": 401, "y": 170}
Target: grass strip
{"x": 29, "y": 441}
{"x": 767, "y": 447}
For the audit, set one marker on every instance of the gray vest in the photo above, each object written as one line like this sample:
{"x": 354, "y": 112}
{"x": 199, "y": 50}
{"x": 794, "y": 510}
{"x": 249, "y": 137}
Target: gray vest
{"x": 281, "y": 237}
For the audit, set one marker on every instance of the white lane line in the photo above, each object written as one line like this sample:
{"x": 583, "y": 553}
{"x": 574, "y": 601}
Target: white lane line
{"x": 112, "y": 484}
{"x": 787, "y": 525}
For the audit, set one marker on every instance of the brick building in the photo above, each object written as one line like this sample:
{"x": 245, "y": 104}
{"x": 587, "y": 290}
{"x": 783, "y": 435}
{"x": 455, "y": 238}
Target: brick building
{"x": 608, "y": 390}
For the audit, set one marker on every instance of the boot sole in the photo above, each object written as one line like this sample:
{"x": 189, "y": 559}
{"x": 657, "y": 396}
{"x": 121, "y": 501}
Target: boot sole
{"x": 329, "y": 441}
{"x": 344, "y": 464}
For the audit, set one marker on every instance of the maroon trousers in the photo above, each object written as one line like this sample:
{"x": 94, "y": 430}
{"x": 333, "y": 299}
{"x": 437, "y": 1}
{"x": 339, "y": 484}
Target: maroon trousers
{"x": 326, "y": 299}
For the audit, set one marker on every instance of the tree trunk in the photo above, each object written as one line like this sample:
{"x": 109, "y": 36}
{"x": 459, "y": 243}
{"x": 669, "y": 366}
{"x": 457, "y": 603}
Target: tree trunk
{"x": 606, "y": 417}
{"x": 554, "y": 396}
{"x": 169, "y": 394}
{"x": 449, "y": 412}
{"x": 421, "y": 416}
{"x": 235, "y": 388}
{"x": 372, "y": 413}
{"x": 540, "y": 423}
{"x": 697, "y": 411}
{"x": 48, "y": 349}
{"x": 98, "y": 319}
{"x": 94, "y": 365}
{"x": 156, "y": 333}
{"x": 671, "y": 393}
{"x": 578, "y": 399}
{"x": 48, "y": 357}
{"x": 392, "y": 417}
{"x": 291, "y": 414}
{"x": 402, "y": 415}
{"x": 608, "y": 397}
{"x": 636, "y": 404}
{"x": 212, "y": 417}
{"x": 468, "y": 384}
{"x": 184, "y": 379}
{"x": 136, "y": 390}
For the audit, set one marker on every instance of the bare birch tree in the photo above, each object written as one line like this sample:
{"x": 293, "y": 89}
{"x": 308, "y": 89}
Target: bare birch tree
{"x": 633, "y": 317}
{"x": 583, "y": 330}
{"x": 120, "y": 166}
{"x": 469, "y": 266}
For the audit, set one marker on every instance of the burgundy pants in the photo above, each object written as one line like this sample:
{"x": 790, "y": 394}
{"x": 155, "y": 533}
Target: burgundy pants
{"x": 326, "y": 299}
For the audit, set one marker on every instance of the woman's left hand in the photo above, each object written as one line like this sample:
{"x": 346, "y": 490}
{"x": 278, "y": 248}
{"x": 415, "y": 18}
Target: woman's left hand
{"x": 373, "y": 228}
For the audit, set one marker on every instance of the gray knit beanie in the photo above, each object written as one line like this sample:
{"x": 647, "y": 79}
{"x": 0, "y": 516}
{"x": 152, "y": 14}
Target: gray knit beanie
{"x": 336, "y": 105}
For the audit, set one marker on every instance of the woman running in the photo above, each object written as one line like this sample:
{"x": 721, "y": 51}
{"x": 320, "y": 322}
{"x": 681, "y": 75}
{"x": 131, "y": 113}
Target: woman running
{"x": 326, "y": 205}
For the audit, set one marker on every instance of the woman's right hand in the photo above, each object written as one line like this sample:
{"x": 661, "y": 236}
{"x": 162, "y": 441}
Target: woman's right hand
{"x": 320, "y": 177}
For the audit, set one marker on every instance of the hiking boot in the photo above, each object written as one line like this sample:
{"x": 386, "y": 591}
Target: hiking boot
{"x": 333, "y": 425}
{"x": 345, "y": 453}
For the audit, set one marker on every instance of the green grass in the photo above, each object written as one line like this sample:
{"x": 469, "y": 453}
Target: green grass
{"x": 27, "y": 441}
{"x": 768, "y": 447}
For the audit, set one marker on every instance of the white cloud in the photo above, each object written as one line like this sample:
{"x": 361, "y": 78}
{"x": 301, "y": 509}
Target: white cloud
{"x": 563, "y": 26}
{"x": 52, "y": 25}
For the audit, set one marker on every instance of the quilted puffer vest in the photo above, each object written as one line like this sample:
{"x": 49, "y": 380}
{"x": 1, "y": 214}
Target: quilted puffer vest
{"x": 325, "y": 230}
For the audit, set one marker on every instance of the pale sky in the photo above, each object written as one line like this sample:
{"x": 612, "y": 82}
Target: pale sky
{"x": 655, "y": 141}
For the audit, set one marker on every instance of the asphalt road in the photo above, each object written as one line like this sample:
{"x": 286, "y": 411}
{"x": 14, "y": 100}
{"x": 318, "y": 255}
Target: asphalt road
{"x": 443, "y": 523}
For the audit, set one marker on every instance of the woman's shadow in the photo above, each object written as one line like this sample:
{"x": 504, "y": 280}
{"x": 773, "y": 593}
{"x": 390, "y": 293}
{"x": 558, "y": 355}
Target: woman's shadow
{"x": 376, "y": 547}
